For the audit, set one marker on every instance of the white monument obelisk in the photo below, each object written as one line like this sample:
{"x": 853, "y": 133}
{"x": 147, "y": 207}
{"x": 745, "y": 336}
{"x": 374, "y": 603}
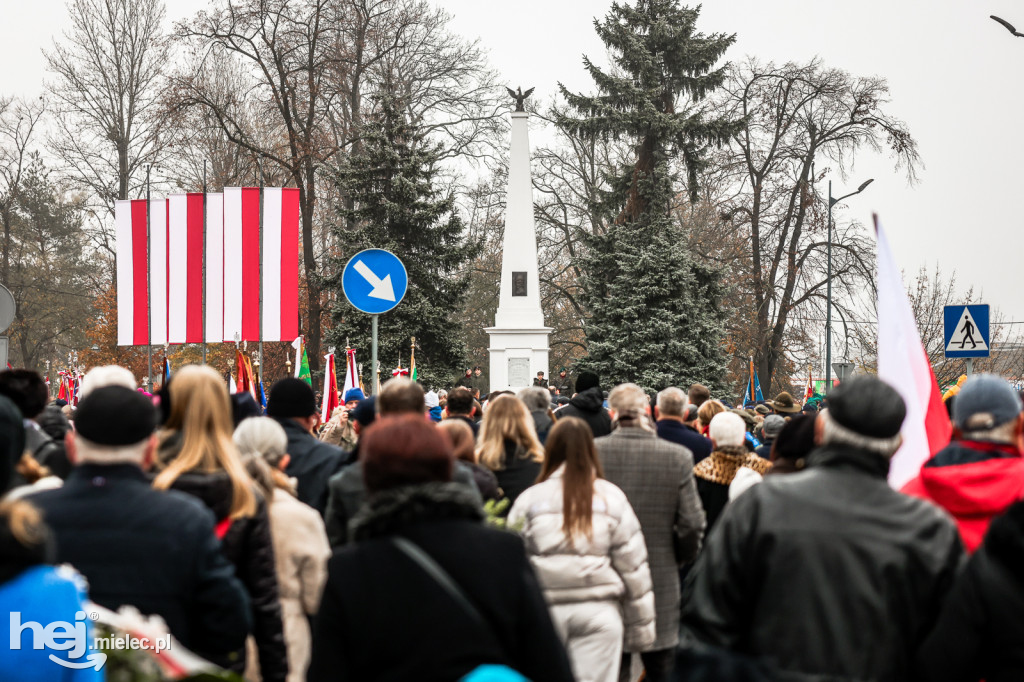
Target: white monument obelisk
{"x": 518, "y": 339}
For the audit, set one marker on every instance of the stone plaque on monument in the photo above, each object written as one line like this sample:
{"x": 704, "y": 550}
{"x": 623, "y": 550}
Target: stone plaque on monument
{"x": 519, "y": 371}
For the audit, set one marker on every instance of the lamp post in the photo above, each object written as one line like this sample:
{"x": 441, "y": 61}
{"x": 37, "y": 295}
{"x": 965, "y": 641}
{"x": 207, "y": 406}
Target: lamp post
{"x": 828, "y": 281}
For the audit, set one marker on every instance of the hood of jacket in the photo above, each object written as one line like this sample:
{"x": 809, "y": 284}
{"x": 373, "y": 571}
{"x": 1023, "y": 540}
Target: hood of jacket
{"x": 212, "y": 488}
{"x": 590, "y": 400}
{"x": 963, "y": 483}
{"x": 388, "y": 511}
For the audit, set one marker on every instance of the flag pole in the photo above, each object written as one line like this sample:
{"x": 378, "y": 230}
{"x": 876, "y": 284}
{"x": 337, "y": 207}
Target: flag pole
{"x": 203, "y": 306}
{"x": 149, "y": 291}
{"x": 259, "y": 168}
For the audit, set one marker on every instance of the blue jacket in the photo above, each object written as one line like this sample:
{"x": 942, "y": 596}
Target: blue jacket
{"x": 44, "y": 594}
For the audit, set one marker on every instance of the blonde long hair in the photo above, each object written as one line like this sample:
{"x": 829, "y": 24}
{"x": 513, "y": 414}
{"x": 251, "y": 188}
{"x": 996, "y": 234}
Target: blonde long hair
{"x": 201, "y": 415}
{"x": 507, "y": 418}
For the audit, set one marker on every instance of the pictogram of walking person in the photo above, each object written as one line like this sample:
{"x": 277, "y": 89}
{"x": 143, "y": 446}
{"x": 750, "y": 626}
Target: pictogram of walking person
{"x": 968, "y": 332}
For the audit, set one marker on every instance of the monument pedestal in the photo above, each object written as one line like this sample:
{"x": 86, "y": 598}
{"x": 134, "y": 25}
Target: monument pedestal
{"x": 516, "y": 356}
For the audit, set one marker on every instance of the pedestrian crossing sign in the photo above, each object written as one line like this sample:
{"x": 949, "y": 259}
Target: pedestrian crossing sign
{"x": 967, "y": 331}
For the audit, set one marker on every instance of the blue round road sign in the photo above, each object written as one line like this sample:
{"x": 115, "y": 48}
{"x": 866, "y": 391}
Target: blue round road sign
{"x": 374, "y": 281}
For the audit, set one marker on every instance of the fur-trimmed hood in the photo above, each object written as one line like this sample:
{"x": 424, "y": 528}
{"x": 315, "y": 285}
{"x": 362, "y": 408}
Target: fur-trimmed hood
{"x": 388, "y": 511}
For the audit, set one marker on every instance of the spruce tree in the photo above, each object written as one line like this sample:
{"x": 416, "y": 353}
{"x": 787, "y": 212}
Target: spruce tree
{"x": 654, "y": 317}
{"x": 397, "y": 206}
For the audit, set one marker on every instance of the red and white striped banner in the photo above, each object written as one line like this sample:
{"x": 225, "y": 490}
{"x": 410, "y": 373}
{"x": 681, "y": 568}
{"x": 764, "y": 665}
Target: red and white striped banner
{"x": 168, "y": 306}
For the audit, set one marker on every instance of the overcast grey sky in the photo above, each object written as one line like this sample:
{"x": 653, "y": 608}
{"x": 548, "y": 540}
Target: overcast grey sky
{"x": 954, "y": 74}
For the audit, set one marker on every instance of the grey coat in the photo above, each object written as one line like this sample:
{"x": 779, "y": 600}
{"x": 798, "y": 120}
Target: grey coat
{"x": 657, "y": 477}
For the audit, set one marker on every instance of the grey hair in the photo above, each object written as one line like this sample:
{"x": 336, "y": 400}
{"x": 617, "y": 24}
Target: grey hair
{"x": 672, "y": 402}
{"x": 977, "y": 427}
{"x": 535, "y": 398}
{"x": 834, "y": 433}
{"x": 107, "y": 375}
{"x": 629, "y": 401}
{"x": 87, "y": 452}
{"x": 262, "y": 437}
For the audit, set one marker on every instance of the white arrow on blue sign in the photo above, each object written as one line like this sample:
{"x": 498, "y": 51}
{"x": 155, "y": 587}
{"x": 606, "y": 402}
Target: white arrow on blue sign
{"x": 374, "y": 281}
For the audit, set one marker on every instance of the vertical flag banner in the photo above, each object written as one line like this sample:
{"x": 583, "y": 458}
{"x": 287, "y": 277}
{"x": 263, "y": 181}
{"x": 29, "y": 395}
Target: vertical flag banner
{"x": 904, "y": 364}
{"x": 809, "y": 388}
{"x": 214, "y": 268}
{"x": 302, "y": 361}
{"x": 351, "y": 371}
{"x": 753, "y": 394}
{"x": 330, "y": 398}
{"x": 232, "y": 263}
{"x": 185, "y": 268}
{"x": 164, "y": 261}
{"x": 158, "y": 271}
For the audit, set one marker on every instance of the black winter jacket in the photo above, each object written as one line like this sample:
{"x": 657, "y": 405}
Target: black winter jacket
{"x": 382, "y": 618}
{"x": 825, "y": 574}
{"x": 153, "y": 550}
{"x": 518, "y": 473}
{"x": 588, "y": 405}
{"x": 347, "y": 492}
{"x": 312, "y": 464}
{"x": 247, "y": 545}
{"x": 980, "y": 633}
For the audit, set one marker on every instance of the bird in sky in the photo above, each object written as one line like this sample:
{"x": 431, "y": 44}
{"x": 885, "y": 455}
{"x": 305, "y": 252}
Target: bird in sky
{"x": 1009, "y": 27}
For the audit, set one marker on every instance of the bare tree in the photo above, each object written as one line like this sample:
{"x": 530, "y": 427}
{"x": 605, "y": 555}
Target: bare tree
{"x": 106, "y": 99}
{"x": 19, "y": 121}
{"x": 797, "y": 116}
{"x": 312, "y": 68}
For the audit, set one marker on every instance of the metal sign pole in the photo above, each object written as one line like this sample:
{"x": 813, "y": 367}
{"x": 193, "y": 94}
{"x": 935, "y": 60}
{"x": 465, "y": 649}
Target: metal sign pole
{"x": 373, "y": 351}
{"x": 970, "y": 366}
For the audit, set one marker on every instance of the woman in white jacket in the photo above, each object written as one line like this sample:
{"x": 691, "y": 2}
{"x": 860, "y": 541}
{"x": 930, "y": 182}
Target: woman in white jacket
{"x": 586, "y": 547}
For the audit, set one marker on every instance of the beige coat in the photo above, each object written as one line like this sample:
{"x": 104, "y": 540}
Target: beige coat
{"x": 301, "y": 552}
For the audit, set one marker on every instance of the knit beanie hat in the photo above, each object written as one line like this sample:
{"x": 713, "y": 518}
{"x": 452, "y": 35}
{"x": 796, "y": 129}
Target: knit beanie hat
{"x": 587, "y": 380}
{"x": 290, "y": 398}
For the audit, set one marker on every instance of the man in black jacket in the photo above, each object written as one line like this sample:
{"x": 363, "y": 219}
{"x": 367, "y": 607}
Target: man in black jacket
{"x": 137, "y": 546}
{"x": 347, "y": 489}
{"x": 588, "y": 405}
{"x": 828, "y": 573}
{"x": 313, "y": 462}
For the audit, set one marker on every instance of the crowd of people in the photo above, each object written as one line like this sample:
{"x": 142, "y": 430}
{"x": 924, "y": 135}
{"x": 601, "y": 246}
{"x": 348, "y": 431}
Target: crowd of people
{"x": 570, "y": 531}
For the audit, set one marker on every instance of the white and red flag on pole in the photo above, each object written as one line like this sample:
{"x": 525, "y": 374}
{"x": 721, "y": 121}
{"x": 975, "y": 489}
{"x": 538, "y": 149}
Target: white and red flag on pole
{"x": 904, "y": 364}
{"x": 162, "y": 256}
{"x": 351, "y": 371}
{"x": 330, "y": 398}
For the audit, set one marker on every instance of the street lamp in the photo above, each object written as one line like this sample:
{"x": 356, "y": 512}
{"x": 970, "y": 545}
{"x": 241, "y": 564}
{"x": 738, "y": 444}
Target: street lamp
{"x": 828, "y": 286}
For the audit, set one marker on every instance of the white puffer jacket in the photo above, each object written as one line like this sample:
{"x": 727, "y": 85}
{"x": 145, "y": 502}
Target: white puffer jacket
{"x": 610, "y": 566}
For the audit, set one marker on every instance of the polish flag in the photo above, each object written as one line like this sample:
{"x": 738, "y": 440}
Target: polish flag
{"x": 330, "y": 396}
{"x": 904, "y": 364}
{"x": 242, "y": 263}
{"x": 142, "y": 256}
{"x": 185, "y": 268}
{"x": 351, "y": 371}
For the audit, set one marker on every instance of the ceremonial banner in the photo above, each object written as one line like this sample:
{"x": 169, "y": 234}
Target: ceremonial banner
{"x": 164, "y": 261}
